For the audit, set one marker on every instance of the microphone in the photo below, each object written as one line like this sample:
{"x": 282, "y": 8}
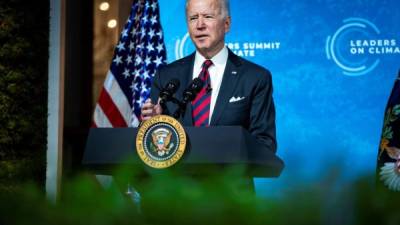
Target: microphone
{"x": 190, "y": 93}
{"x": 169, "y": 90}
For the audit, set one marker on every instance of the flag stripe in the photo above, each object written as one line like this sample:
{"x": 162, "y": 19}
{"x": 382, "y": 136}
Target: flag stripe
{"x": 110, "y": 110}
{"x": 118, "y": 97}
{"x": 100, "y": 119}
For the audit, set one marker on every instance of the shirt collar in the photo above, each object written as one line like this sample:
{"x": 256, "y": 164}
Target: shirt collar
{"x": 218, "y": 60}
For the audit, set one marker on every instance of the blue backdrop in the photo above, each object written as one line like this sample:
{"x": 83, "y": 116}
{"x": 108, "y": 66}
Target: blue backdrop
{"x": 333, "y": 65}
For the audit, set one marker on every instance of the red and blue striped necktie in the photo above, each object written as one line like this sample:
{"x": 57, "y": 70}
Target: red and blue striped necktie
{"x": 201, "y": 104}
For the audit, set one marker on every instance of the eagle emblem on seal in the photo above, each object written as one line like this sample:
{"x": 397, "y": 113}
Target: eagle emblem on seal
{"x": 161, "y": 141}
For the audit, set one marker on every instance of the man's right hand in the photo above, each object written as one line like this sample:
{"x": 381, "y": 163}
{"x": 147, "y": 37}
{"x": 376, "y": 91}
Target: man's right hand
{"x": 149, "y": 110}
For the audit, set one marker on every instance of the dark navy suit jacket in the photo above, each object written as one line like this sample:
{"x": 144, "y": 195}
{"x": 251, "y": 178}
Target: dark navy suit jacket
{"x": 255, "y": 112}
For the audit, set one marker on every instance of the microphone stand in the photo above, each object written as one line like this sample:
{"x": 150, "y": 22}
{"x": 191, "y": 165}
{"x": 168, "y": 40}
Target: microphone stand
{"x": 180, "y": 111}
{"x": 177, "y": 113}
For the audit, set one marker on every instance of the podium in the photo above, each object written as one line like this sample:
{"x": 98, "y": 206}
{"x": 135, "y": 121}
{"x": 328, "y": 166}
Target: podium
{"x": 207, "y": 147}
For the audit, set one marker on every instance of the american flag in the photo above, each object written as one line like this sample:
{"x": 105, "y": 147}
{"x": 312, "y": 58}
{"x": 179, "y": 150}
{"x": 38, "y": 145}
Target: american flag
{"x": 139, "y": 53}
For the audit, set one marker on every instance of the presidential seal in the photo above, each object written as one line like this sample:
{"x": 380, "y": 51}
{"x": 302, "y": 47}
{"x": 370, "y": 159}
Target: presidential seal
{"x": 160, "y": 141}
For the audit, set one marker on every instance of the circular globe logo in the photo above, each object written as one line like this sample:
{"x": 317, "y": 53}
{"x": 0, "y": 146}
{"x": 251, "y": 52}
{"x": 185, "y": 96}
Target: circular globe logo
{"x": 345, "y": 47}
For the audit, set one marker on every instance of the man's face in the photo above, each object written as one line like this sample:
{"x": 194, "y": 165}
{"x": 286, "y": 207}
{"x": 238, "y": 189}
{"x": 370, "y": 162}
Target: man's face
{"x": 207, "y": 26}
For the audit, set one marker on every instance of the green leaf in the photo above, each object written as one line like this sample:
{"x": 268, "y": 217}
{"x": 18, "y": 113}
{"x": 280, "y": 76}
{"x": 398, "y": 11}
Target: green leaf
{"x": 387, "y": 133}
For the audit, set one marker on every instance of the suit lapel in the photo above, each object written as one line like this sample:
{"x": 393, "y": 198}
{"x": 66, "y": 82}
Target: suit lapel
{"x": 228, "y": 85}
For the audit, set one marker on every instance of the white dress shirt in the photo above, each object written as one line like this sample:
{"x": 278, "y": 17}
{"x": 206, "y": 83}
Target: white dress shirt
{"x": 216, "y": 73}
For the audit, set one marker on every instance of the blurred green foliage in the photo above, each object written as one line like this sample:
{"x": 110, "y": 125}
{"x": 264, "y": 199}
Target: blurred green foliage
{"x": 168, "y": 198}
{"x": 24, "y": 29}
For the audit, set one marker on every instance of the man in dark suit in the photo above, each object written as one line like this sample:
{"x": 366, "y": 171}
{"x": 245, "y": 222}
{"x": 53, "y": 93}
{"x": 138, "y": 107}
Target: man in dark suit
{"x": 237, "y": 92}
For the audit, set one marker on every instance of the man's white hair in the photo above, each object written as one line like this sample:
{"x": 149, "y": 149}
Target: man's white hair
{"x": 224, "y": 6}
